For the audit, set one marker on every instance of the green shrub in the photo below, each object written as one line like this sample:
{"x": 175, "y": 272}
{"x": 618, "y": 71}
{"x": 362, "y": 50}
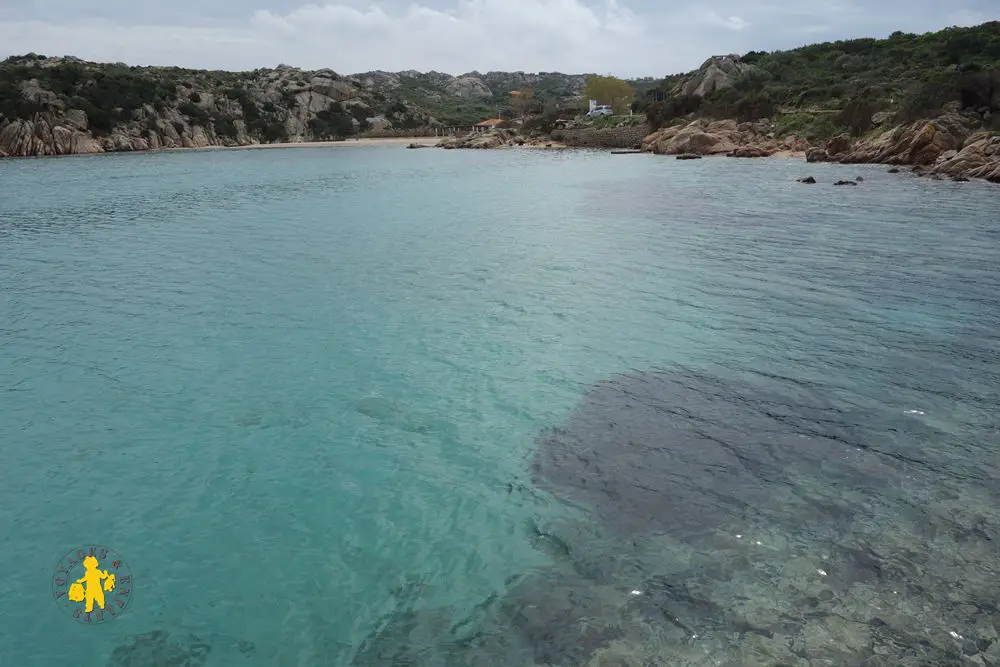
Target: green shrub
{"x": 329, "y": 123}
{"x": 225, "y": 127}
{"x": 195, "y": 113}
{"x": 275, "y": 131}
{"x": 251, "y": 112}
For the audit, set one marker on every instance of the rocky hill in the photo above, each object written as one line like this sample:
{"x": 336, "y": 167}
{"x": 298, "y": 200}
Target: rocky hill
{"x": 53, "y": 106}
{"x": 852, "y": 86}
{"x": 468, "y": 98}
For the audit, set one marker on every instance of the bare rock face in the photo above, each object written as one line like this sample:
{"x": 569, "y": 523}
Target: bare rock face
{"x": 498, "y": 138}
{"x": 818, "y": 155}
{"x": 759, "y": 150}
{"x": 330, "y": 84}
{"x": 920, "y": 143}
{"x": 469, "y": 86}
{"x": 716, "y": 73}
{"x": 281, "y": 104}
{"x": 947, "y": 145}
{"x": 839, "y": 144}
{"x": 703, "y": 137}
{"x": 979, "y": 158}
{"x": 45, "y": 134}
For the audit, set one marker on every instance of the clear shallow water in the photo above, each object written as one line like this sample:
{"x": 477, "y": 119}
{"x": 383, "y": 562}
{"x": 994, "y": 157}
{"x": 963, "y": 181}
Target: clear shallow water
{"x": 306, "y": 392}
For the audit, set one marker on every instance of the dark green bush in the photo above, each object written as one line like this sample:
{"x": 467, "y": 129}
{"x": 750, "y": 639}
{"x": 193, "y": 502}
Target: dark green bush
{"x": 195, "y": 113}
{"x": 275, "y": 132}
{"x": 225, "y": 127}
{"x": 328, "y": 123}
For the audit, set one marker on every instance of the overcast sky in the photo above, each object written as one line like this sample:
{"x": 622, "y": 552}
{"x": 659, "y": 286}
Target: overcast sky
{"x": 622, "y": 37}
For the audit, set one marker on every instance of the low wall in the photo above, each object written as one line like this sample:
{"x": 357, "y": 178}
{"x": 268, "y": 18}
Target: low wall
{"x": 613, "y": 137}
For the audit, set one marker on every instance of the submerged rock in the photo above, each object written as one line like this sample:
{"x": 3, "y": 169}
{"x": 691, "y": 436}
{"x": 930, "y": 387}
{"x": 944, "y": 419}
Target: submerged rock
{"x": 846, "y": 183}
{"x": 683, "y": 453}
{"x": 738, "y": 524}
{"x": 808, "y": 179}
{"x": 161, "y": 648}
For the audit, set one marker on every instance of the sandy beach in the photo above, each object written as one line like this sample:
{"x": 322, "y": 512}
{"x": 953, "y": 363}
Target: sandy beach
{"x": 347, "y": 143}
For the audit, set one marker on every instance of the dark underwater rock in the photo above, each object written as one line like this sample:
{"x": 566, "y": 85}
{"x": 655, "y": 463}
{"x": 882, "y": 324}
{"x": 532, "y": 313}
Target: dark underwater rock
{"x": 160, "y": 648}
{"x": 682, "y": 453}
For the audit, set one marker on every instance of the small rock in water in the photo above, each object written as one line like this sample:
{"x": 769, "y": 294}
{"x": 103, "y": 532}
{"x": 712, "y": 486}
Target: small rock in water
{"x": 845, "y": 183}
{"x": 894, "y": 170}
{"x": 807, "y": 179}
{"x": 859, "y": 179}
{"x": 960, "y": 179}
{"x": 688, "y": 156}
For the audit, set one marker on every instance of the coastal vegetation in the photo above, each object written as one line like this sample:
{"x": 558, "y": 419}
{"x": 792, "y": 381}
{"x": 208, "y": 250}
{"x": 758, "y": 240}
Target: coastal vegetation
{"x": 853, "y": 86}
{"x": 860, "y": 87}
{"x": 614, "y": 92}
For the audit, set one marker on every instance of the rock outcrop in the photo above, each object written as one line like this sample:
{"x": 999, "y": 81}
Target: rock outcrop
{"x": 45, "y": 134}
{"x": 469, "y": 87}
{"x": 117, "y": 108}
{"x": 920, "y": 143}
{"x": 978, "y": 158}
{"x": 716, "y": 73}
{"x": 498, "y": 138}
{"x": 721, "y": 137}
{"x": 949, "y": 145}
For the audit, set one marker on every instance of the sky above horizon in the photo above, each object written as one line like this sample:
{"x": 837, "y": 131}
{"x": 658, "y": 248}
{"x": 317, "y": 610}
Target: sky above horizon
{"x": 629, "y": 38}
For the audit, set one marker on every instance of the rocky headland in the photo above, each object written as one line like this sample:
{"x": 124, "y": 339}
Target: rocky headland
{"x": 721, "y": 137}
{"x": 954, "y": 145}
{"x": 60, "y": 106}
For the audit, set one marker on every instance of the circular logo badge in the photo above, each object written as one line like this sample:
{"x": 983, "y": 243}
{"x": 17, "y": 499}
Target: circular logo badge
{"x": 92, "y": 584}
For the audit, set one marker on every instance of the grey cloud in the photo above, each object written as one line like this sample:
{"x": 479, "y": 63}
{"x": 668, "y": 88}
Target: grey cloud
{"x": 627, "y": 37}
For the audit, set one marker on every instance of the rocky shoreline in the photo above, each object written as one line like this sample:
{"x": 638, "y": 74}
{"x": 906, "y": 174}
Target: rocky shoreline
{"x": 953, "y": 146}
{"x": 721, "y": 137}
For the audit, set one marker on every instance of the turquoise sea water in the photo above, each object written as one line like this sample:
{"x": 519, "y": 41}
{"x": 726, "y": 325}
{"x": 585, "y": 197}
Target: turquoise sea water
{"x": 306, "y": 394}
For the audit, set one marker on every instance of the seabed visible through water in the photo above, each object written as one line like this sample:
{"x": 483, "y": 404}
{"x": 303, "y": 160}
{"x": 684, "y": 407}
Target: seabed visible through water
{"x": 735, "y": 526}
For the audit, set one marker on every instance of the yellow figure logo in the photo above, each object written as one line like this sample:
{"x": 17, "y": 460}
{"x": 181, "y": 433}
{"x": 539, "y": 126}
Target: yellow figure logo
{"x": 91, "y": 579}
{"x": 70, "y": 589}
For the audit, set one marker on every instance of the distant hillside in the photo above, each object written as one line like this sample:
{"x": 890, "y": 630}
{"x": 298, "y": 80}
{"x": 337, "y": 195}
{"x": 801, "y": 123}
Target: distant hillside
{"x": 470, "y": 98}
{"x": 855, "y": 85}
{"x": 66, "y": 105}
